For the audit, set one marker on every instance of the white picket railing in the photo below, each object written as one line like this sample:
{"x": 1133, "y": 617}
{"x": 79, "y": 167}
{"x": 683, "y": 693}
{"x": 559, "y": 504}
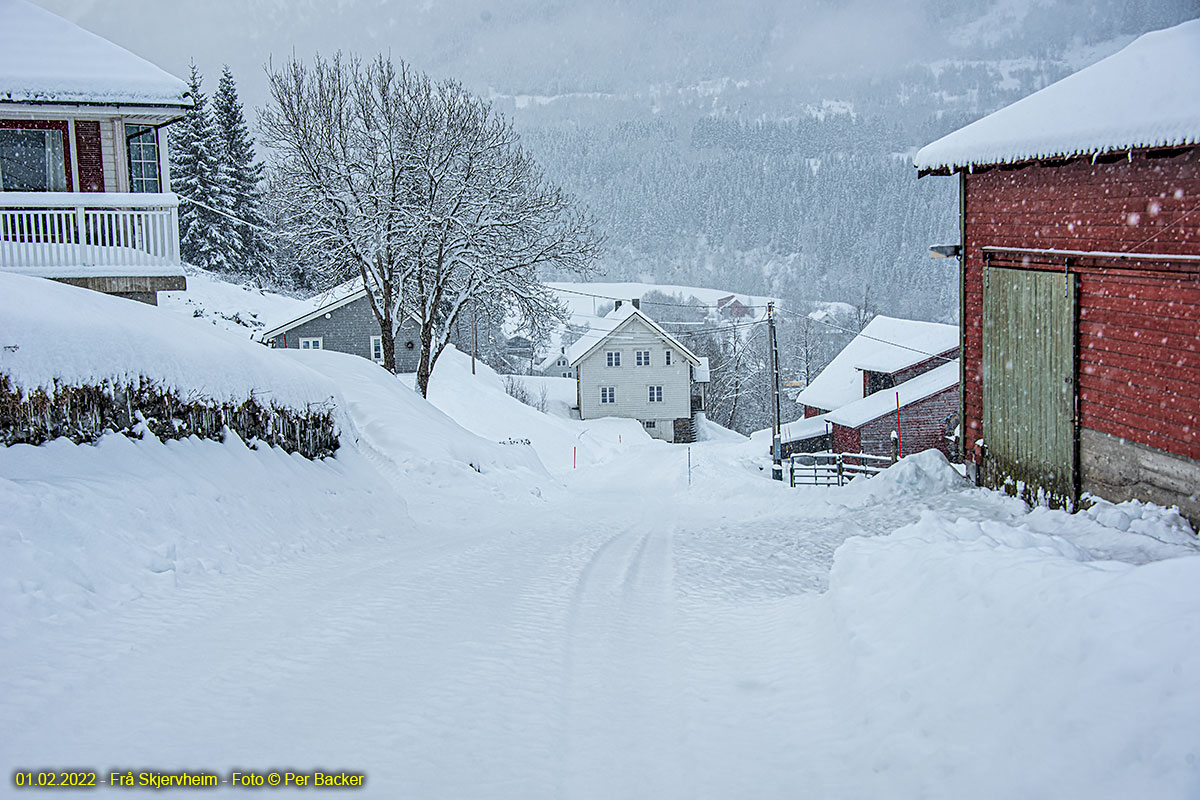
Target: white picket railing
{"x": 74, "y": 229}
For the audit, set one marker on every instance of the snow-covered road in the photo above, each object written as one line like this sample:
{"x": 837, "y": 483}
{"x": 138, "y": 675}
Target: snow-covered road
{"x": 611, "y": 631}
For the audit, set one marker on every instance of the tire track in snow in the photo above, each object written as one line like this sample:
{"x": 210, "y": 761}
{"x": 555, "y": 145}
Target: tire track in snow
{"x": 622, "y": 707}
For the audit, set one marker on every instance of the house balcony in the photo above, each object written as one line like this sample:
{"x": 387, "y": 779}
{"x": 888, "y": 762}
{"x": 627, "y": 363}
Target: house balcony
{"x": 118, "y": 243}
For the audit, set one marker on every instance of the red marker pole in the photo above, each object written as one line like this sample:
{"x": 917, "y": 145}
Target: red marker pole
{"x": 899, "y": 440}
{"x": 574, "y": 456}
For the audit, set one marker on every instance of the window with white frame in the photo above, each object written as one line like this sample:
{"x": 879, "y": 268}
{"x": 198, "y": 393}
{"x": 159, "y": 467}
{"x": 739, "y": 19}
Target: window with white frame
{"x": 310, "y": 343}
{"x": 667, "y": 358}
{"x": 32, "y": 160}
{"x": 143, "y": 158}
{"x": 650, "y": 423}
{"x": 655, "y": 394}
{"x": 377, "y": 349}
{"x": 613, "y": 358}
{"x": 608, "y": 394}
{"x": 642, "y": 357}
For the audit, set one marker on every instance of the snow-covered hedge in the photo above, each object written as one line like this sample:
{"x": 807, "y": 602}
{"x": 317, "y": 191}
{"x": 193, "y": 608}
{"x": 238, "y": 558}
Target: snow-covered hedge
{"x": 76, "y": 363}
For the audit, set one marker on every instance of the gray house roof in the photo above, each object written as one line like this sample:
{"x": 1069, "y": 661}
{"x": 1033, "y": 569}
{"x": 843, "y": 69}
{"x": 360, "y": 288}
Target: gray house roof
{"x": 341, "y": 295}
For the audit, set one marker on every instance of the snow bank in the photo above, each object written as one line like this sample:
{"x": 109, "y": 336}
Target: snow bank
{"x": 241, "y": 310}
{"x": 986, "y": 659}
{"x": 90, "y": 527}
{"x": 52, "y": 333}
{"x": 479, "y": 403}
{"x": 405, "y": 434}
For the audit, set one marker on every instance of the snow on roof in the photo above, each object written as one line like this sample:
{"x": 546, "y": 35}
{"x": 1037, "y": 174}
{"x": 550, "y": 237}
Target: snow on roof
{"x": 47, "y": 59}
{"x": 340, "y": 295}
{"x": 1145, "y": 95}
{"x": 804, "y": 428}
{"x": 601, "y": 329}
{"x": 887, "y": 344}
{"x": 877, "y": 405}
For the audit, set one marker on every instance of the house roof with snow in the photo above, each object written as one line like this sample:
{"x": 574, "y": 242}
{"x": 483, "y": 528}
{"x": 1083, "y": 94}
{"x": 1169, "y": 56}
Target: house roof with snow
{"x": 887, "y": 344}
{"x": 612, "y": 324}
{"x": 879, "y": 404}
{"x": 803, "y": 428}
{"x": 1145, "y": 95}
{"x": 47, "y": 59}
{"x": 341, "y": 295}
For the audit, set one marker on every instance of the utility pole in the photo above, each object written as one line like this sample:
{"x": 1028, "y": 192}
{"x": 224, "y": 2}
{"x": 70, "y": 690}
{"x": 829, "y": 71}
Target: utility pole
{"x": 776, "y": 444}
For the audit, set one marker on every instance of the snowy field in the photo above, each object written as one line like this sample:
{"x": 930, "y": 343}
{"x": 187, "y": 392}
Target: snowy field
{"x": 458, "y": 613}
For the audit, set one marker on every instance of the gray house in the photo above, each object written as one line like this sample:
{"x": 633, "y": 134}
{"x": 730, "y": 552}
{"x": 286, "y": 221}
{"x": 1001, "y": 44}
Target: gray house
{"x": 342, "y": 320}
{"x": 628, "y": 366}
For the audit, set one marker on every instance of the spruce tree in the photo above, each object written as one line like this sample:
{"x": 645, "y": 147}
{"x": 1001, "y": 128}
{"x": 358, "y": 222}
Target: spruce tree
{"x": 243, "y": 176}
{"x": 206, "y": 237}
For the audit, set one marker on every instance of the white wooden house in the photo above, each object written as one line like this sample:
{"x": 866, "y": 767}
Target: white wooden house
{"x": 628, "y": 366}
{"x": 84, "y": 175}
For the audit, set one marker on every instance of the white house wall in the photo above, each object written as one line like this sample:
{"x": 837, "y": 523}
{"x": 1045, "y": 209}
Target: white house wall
{"x": 632, "y": 382}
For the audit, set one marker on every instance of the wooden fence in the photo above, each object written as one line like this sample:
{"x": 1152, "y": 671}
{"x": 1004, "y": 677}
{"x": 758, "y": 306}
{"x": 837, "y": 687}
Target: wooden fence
{"x": 833, "y": 469}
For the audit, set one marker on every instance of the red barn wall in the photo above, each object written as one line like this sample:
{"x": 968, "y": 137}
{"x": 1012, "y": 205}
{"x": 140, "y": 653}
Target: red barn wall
{"x": 846, "y": 440}
{"x": 1139, "y": 365}
{"x": 922, "y": 426}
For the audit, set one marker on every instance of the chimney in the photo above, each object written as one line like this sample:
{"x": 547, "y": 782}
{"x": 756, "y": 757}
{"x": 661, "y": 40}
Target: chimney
{"x": 637, "y": 303}
{"x": 617, "y": 304}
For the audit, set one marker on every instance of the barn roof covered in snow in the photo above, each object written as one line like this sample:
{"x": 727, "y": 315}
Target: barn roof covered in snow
{"x": 887, "y": 344}
{"x": 1145, "y": 95}
{"x": 913, "y": 390}
{"x": 47, "y": 59}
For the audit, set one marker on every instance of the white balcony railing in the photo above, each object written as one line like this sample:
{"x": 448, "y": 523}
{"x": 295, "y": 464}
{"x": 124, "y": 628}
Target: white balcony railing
{"x": 54, "y": 231}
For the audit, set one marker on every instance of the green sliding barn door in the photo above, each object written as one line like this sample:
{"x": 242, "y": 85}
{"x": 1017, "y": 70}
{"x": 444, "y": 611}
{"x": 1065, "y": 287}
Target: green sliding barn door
{"x": 1029, "y": 384}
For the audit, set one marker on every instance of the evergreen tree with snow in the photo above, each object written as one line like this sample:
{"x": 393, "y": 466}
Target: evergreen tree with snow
{"x": 206, "y": 236}
{"x": 243, "y": 177}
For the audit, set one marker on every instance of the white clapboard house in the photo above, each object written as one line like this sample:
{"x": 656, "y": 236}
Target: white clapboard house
{"x": 628, "y": 366}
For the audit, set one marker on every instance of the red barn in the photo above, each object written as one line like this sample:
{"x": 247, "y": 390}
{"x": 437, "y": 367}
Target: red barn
{"x": 1080, "y": 280}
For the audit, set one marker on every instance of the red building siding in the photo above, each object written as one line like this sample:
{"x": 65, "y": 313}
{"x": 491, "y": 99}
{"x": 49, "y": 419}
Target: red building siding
{"x": 1139, "y": 373}
{"x": 846, "y": 440}
{"x": 91, "y": 165}
{"x": 922, "y": 426}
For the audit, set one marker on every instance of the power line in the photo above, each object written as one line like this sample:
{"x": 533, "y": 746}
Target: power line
{"x": 184, "y": 197}
{"x": 937, "y": 356}
{"x": 647, "y": 302}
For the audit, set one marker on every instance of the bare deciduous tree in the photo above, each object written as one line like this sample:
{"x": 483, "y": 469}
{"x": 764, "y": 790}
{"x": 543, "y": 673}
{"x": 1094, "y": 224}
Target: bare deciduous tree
{"x": 424, "y": 191}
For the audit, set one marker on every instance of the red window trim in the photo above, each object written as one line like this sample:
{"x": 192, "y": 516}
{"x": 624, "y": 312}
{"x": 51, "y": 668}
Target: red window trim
{"x": 49, "y": 125}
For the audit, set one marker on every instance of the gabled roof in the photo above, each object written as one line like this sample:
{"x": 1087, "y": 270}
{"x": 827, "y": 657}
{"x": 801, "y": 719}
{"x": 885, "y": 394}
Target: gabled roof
{"x": 47, "y": 59}
{"x": 887, "y": 344}
{"x": 1145, "y": 95}
{"x": 611, "y": 326}
{"x": 341, "y": 295}
{"x": 882, "y": 403}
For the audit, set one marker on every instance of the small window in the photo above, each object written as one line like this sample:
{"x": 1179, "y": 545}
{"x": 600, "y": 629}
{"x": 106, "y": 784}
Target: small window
{"x": 655, "y": 394}
{"x": 566, "y": 374}
{"x": 650, "y": 424}
{"x": 313, "y": 343}
{"x": 642, "y": 357}
{"x": 613, "y": 358}
{"x": 377, "y": 349}
{"x": 667, "y": 358}
{"x": 143, "y": 158}
{"x": 608, "y": 394}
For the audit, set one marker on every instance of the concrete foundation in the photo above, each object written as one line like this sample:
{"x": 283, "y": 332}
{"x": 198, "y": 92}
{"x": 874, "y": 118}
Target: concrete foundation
{"x": 1118, "y": 470}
